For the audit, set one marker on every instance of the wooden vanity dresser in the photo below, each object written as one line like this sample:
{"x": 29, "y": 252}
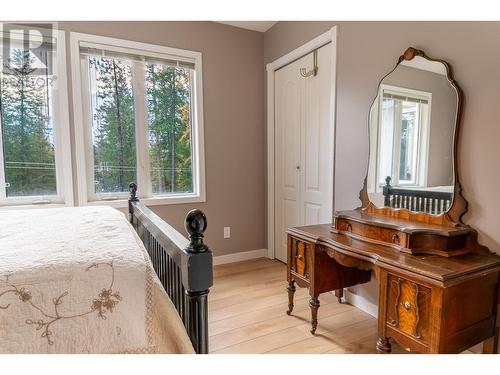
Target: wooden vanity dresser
{"x": 438, "y": 288}
{"x": 427, "y": 303}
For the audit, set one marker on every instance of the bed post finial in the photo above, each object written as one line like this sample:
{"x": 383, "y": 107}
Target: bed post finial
{"x": 132, "y": 188}
{"x": 196, "y": 224}
{"x": 199, "y": 280}
{"x": 386, "y": 191}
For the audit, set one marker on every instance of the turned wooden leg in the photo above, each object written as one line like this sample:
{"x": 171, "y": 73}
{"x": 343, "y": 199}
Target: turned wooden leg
{"x": 384, "y": 345}
{"x": 339, "y": 293}
{"x": 314, "y": 303}
{"x": 291, "y": 291}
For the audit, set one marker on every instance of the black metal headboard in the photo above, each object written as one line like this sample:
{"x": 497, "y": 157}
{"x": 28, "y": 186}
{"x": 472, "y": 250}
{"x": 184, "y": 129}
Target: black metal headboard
{"x": 183, "y": 267}
{"x": 432, "y": 202}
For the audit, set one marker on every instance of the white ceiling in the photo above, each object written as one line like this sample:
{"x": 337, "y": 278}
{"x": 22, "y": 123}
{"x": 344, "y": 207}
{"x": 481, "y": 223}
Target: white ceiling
{"x": 261, "y": 26}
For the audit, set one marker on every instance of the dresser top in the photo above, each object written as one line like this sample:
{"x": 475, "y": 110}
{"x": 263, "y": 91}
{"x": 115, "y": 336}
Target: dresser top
{"x": 435, "y": 267}
{"x": 403, "y": 225}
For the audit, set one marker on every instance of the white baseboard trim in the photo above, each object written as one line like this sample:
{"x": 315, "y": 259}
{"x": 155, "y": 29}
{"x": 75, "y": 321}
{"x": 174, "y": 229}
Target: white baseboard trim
{"x": 361, "y": 303}
{"x": 238, "y": 257}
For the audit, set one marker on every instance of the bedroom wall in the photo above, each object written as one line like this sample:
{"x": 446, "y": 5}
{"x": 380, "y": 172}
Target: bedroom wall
{"x": 233, "y": 83}
{"x": 366, "y": 51}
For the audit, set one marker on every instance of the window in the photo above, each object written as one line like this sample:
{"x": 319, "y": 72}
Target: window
{"x": 141, "y": 121}
{"x": 408, "y": 134}
{"x": 403, "y": 136}
{"x": 34, "y": 130}
{"x": 112, "y": 123}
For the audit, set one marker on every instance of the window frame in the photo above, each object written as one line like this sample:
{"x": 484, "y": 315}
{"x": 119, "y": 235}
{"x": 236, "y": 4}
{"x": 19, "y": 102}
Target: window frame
{"x": 83, "y": 126}
{"x": 417, "y": 152}
{"x": 62, "y": 140}
{"x": 422, "y": 157}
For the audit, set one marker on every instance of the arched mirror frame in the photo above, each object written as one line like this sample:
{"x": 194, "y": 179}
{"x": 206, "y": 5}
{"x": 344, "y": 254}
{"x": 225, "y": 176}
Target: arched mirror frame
{"x": 452, "y": 217}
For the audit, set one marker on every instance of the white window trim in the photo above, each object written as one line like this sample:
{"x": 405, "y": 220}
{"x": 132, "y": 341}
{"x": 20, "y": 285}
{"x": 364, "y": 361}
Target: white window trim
{"x": 82, "y": 126}
{"x": 62, "y": 143}
{"x": 424, "y": 135}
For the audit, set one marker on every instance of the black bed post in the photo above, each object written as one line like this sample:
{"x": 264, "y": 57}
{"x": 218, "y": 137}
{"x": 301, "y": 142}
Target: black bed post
{"x": 132, "y": 188}
{"x": 199, "y": 280}
{"x": 386, "y": 190}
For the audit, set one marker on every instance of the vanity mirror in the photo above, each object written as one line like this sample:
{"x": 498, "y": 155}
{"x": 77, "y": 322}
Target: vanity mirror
{"x": 411, "y": 198}
{"x": 413, "y": 128}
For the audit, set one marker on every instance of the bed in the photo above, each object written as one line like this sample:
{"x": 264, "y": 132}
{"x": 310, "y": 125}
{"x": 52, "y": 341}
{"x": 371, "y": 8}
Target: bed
{"x": 433, "y": 200}
{"x": 91, "y": 280}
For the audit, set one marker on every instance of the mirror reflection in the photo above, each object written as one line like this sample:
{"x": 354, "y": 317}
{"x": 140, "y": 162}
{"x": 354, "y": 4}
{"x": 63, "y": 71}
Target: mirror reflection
{"x": 412, "y": 125}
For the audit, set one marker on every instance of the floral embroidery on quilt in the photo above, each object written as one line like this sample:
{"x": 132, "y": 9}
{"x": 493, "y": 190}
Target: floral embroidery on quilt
{"x": 104, "y": 303}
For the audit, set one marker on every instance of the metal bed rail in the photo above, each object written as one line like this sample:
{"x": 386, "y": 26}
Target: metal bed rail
{"x": 183, "y": 266}
{"x": 432, "y": 202}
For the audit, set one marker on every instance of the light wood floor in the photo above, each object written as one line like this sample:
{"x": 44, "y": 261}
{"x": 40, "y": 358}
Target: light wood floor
{"x": 247, "y": 307}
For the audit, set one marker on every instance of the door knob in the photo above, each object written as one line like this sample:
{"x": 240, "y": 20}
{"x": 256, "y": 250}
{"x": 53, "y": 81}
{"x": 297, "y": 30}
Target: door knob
{"x": 297, "y": 167}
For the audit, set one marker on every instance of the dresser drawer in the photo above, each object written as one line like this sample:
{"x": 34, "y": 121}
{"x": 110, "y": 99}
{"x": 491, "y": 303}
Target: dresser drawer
{"x": 373, "y": 232}
{"x": 300, "y": 257}
{"x": 408, "y": 308}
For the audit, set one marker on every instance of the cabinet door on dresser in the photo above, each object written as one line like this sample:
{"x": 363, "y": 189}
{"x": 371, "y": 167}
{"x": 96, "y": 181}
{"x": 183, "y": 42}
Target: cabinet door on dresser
{"x": 446, "y": 318}
{"x": 300, "y": 258}
{"x": 406, "y": 312}
{"x": 408, "y": 308}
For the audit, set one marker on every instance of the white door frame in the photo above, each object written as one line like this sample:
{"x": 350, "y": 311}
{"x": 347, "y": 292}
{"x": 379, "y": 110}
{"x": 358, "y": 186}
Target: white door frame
{"x": 319, "y": 41}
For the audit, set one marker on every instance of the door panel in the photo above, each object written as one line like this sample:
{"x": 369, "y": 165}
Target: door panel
{"x": 312, "y": 213}
{"x": 290, "y": 139}
{"x": 311, "y": 141}
{"x": 291, "y": 211}
{"x": 303, "y": 147}
{"x": 317, "y": 142}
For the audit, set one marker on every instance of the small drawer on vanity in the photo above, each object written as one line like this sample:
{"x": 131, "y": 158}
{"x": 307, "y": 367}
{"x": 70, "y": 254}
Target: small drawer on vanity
{"x": 372, "y": 232}
{"x": 408, "y": 308}
{"x": 300, "y": 257}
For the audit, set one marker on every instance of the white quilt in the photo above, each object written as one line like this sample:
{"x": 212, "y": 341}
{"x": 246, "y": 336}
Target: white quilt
{"x": 78, "y": 280}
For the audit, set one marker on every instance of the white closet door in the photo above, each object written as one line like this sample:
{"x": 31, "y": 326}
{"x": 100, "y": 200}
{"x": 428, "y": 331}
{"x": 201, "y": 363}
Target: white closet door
{"x": 289, "y": 94}
{"x": 303, "y": 147}
{"x": 317, "y": 145}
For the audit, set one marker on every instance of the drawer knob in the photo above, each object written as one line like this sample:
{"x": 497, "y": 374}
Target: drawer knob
{"x": 407, "y": 305}
{"x": 300, "y": 257}
{"x": 396, "y": 239}
{"x": 348, "y": 227}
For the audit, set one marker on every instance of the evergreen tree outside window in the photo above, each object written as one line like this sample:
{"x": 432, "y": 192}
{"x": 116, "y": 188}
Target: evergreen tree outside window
{"x": 168, "y": 102}
{"x": 141, "y": 120}
{"x": 33, "y": 117}
{"x": 27, "y": 130}
{"x": 113, "y": 129}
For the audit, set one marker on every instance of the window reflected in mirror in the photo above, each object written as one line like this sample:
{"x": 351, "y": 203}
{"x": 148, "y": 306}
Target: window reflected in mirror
{"x": 403, "y": 136}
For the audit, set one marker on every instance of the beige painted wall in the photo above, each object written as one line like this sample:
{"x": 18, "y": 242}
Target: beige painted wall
{"x": 233, "y": 83}
{"x": 368, "y": 50}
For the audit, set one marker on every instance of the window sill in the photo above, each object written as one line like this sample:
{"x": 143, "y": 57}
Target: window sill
{"x": 153, "y": 201}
